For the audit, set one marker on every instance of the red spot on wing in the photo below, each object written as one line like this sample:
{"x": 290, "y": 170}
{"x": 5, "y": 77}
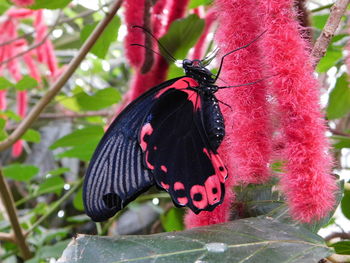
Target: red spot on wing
{"x": 146, "y": 130}
{"x": 199, "y": 189}
{"x": 149, "y": 165}
{"x": 219, "y": 167}
{"x": 179, "y": 186}
{"x": 182, "y": 200}
{"x": 164, "y": 185}
{"x": 213, "y": 189}
{"x": 163, "y": 168}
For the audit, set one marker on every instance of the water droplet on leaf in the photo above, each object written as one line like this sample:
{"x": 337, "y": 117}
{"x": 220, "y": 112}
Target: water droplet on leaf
{"x": 216, "y": 247}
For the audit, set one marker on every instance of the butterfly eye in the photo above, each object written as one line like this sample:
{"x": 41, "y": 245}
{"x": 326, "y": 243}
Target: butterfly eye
{"x": 187, "y": 62}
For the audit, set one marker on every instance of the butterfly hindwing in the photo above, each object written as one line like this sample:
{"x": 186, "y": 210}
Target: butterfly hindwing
{"x": 116, "y": 174}
{"x": 177, "y": 149}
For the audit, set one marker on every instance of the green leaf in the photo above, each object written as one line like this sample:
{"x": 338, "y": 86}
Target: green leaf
{"x": 345, "y": 204}
{"x": 174, "y": 71}
{"x": 246, "y": 240}
{"x": 78, "y": 200}
{"x": 196, "y": 3}
{"x": 4, "y": 83}
{"x": 319, "y": 21}
{"x": 20, "y": 172}
{"x": 81, "y": 101}
{"x": 339, "y": 99}
{"x": 3, "y": 133}
{"x": 83, "y": 152}
{"x": 331, "y": 57}
{"x": 341, "y": 141}
{"x": 3, "y": 8}
{"x": 173, "y": 220}
{"x": 11, "y": 115}
{"x": 59, "y": 171}
{"x": 49, "y": 4}
{"x": 52, "y": 184}
{"x": 43, "y": 254}
{"x": 79, "y": 137}
{"x": 182, "y": 35}
{"x": 26, "y": 83}
{"x": 342, "y": 247}
{"x": 110, "y": 34}
{"x": 32, "y": 136}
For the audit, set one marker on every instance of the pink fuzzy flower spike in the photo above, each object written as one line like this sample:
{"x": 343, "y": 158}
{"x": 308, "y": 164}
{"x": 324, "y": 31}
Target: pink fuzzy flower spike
{"x": 134, "y": 13}
{"x": 23, "y": 3}
{"x": 246, "y": 148}
{"x": 308, "y": 184}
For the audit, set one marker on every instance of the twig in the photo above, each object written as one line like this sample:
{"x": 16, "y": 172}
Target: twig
{"x": 321, "y": 8}
{"x": 56, "y": 87}
{"x": 336, "y": 132}
{"x": 55, "y": 206}
{"x": 11, "y": 211}
{"x": 7, "y": 237}
{"x": 73, "y": 115}
{"x": 320, "y": 47}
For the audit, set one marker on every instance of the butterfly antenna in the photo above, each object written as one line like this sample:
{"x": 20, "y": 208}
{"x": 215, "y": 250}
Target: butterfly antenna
{"x": 155, "y": 52}
{"x": 247, "y": 84}
{"x": 159, "y": 43}
{"x": 247, "y": 45}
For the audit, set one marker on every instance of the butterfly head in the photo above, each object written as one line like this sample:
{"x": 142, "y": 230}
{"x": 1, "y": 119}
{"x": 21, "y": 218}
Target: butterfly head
{"x": 196, "y": 70}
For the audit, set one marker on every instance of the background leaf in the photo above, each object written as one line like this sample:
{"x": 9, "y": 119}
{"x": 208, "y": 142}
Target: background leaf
{"x": 79, "y": 137}
{"x": 196, "y": 3}
{"x": 172, "y": 220}
{"x": 26, "y": 83}
{"x": 50, "y": 4}
{"x": 31, "y": 136}
{"x": 182, "y": 35}
{"x": 339, "y": 99}
{"x": 4, "y": 83}
{"x": 342, "y": 247}
{"x": 82, "y": 101}
{"x": 110, "y": 34}
{"x": 246, "y": 240}
{"x": 20, "y": 172}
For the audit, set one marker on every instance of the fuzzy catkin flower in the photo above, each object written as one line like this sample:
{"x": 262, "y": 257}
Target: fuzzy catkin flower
{"x": 248, "y": 129}
{"x": 307, "y": 182}
{"x": 246, "y": 148}
{"x": 134, "y": 13}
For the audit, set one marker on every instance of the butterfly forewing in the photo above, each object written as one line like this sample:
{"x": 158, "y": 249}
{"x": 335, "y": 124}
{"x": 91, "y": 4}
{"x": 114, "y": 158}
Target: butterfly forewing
{"x": 116, "y": 174}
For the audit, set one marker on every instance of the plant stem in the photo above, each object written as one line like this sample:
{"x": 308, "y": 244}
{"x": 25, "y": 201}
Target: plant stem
{"x": 9, "y": 204}
{"x": 337, "y": 11}
{"x": 55, "y": 206}
{"x": 56, "y": 87}
{"x": 321, "y": 8}
{"x": 7, "y": 237}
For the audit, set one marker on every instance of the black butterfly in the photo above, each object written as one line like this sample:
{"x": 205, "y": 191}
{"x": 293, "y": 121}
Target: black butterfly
{"x": 169, "y": 136}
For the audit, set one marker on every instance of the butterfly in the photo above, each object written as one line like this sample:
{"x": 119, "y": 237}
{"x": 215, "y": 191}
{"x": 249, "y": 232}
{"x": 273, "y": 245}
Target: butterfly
{"x": 167, "y": 137}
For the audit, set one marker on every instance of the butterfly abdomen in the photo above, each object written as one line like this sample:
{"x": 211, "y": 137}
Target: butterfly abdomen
{"x": 213, "y": 120}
